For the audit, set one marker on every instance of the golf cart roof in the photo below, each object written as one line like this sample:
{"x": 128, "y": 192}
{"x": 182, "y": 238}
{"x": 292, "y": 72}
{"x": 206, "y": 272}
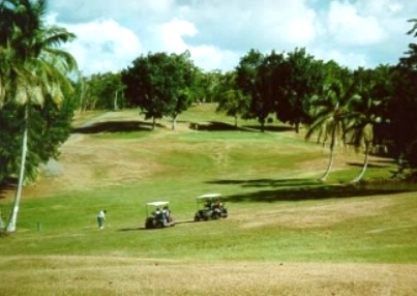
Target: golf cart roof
{"x": 209, "y": 196}
{"x": 158, "y": 203}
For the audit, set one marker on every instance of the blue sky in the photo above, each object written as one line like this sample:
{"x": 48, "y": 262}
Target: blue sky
{"x": 112, "y": 33}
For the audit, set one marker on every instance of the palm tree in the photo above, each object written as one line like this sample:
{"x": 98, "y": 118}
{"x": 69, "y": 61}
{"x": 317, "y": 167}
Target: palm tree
{"x": 365, "y": 110}
{"x": 36, "y": 67}
{"x": 328, "y": 111}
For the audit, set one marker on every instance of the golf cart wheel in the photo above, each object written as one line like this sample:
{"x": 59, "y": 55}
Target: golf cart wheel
{"x": 224, "y": 213}
{"x": 148, "y": 224}
{"x": 215, "y": 215}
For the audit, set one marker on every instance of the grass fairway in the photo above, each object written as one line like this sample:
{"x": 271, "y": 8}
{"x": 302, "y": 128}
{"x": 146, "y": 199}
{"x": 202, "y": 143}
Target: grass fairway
{"x": 286, "y": 234}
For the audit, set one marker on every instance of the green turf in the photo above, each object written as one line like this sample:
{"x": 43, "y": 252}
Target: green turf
{"x": 256, "y": 172}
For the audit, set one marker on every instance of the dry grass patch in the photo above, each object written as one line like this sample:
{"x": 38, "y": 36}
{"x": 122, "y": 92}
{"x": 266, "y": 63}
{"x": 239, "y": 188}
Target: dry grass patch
{"x": 89, "y": 164}
{"x": 128, "y": 276}
{"x": 312, "y": 216}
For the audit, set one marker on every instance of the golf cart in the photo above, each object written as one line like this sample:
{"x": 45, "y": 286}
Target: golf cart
{"x": 210, "y": 207}
{"x": 158, "y": 215}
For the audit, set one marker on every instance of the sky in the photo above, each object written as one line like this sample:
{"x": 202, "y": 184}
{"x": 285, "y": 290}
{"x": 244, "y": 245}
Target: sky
{"x": 354, "y": 33}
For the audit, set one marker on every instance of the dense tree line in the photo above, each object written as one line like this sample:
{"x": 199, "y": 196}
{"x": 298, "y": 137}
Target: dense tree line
{"x": 366, "y": 108}
{"x": 101, "y": 91}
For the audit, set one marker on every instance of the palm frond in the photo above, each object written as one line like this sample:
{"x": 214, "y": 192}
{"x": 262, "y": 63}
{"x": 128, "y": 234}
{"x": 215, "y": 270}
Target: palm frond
{"x": 414, "y": 28}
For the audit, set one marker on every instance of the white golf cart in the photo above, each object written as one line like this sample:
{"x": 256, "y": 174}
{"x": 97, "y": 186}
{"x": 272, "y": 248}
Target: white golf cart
{"x": 158, "y": 215}
{"x": 210, "y": 207}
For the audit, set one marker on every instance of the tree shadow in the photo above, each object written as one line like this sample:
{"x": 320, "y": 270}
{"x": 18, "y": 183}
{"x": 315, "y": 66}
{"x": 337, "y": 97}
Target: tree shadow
{"x": 370, "y": 165}
{"x": 270, "y": 128}
{"x": 8, "y": 184}
{"x": 212, "y": 126}
{"x": 314, "y": 193}
{"x": 116, "y": 127}
{"x": 268, "y": 182}
{"x": 308, "y": 189}
{"x": 222, "y": 126}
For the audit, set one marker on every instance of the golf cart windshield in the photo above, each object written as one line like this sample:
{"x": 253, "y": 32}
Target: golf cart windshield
{"x": 158, "y": 203}
{"x": 209, "y": 196}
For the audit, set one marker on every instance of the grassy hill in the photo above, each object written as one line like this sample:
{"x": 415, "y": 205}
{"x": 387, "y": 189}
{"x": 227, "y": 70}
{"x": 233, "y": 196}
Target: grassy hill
{"x": 287, "y": 233}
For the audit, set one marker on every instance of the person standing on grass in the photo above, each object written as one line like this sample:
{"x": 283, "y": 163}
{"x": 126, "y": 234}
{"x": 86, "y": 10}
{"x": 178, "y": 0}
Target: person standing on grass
{"x": 100, "y": 218}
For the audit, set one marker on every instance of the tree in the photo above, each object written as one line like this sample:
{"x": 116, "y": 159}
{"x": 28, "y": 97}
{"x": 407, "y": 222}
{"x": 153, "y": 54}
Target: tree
{"x": 328, "y": 110}
{"x": 50, "y": 126}
{"x": 366, "y": 109}
{"x": 231, "y": 100}
{"x": 182, "y": 82}
{"x": 35, "y": 67}
{"x": 254, "y": 80}
{"x": 296, "y": 79}
{"x": 403, "y": 105}
{"x": 160, "y": 84}
{"x": 207, "y": 85}
{"x": 102, "y": 91}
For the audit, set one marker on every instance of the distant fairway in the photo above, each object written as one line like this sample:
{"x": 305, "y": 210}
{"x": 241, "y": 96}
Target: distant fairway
{"x": 287, "y": 233}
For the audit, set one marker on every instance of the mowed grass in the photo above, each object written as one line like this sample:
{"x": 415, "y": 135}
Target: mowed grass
{"x": 287, "y": 233}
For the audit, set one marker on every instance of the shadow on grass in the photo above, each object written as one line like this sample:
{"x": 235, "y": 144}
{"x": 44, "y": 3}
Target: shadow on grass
{"x": 222, "y": 126}
{"x": 185, "y": 222}
{"x": 370, "y": 165}
{"x": 154, "y": 229}
{"x": 116, "y": 126}
{"x": 270, "y": 128}
{"x": 312, "y": 193}
{"x": 212, "y": 126}
{"x": 6, "y": 185}
{"x": 268, "y": 182}
{"x": 131, "y": 229}
{"x": 307, "y": 189}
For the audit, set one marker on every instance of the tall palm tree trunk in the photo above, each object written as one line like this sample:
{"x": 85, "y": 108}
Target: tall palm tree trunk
{"x": 116, "y": 106}
{"x": 364, "y": 167}
{"x": 11, "y": 226}
{"x": 331, "y": 157}
{"x": 329, "y": 165}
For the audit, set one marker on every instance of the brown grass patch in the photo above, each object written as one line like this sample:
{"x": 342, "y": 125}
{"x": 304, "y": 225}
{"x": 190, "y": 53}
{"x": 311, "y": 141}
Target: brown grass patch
{"x": 127, "y": 276}
{"x": 313, "y": 216}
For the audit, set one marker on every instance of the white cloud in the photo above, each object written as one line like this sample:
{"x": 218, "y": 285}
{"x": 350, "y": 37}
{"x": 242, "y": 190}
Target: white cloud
{"x": 244, "y": 24}
{"x": 380, "y": 8}
{"x": 103, "y": 46}
{"x": 347, "y": 27}
{"x": 218, "y": 32}
{"x": 299, "y": 31}
{"x": 212, "y": 58}
{"x": 170, "y": 35}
